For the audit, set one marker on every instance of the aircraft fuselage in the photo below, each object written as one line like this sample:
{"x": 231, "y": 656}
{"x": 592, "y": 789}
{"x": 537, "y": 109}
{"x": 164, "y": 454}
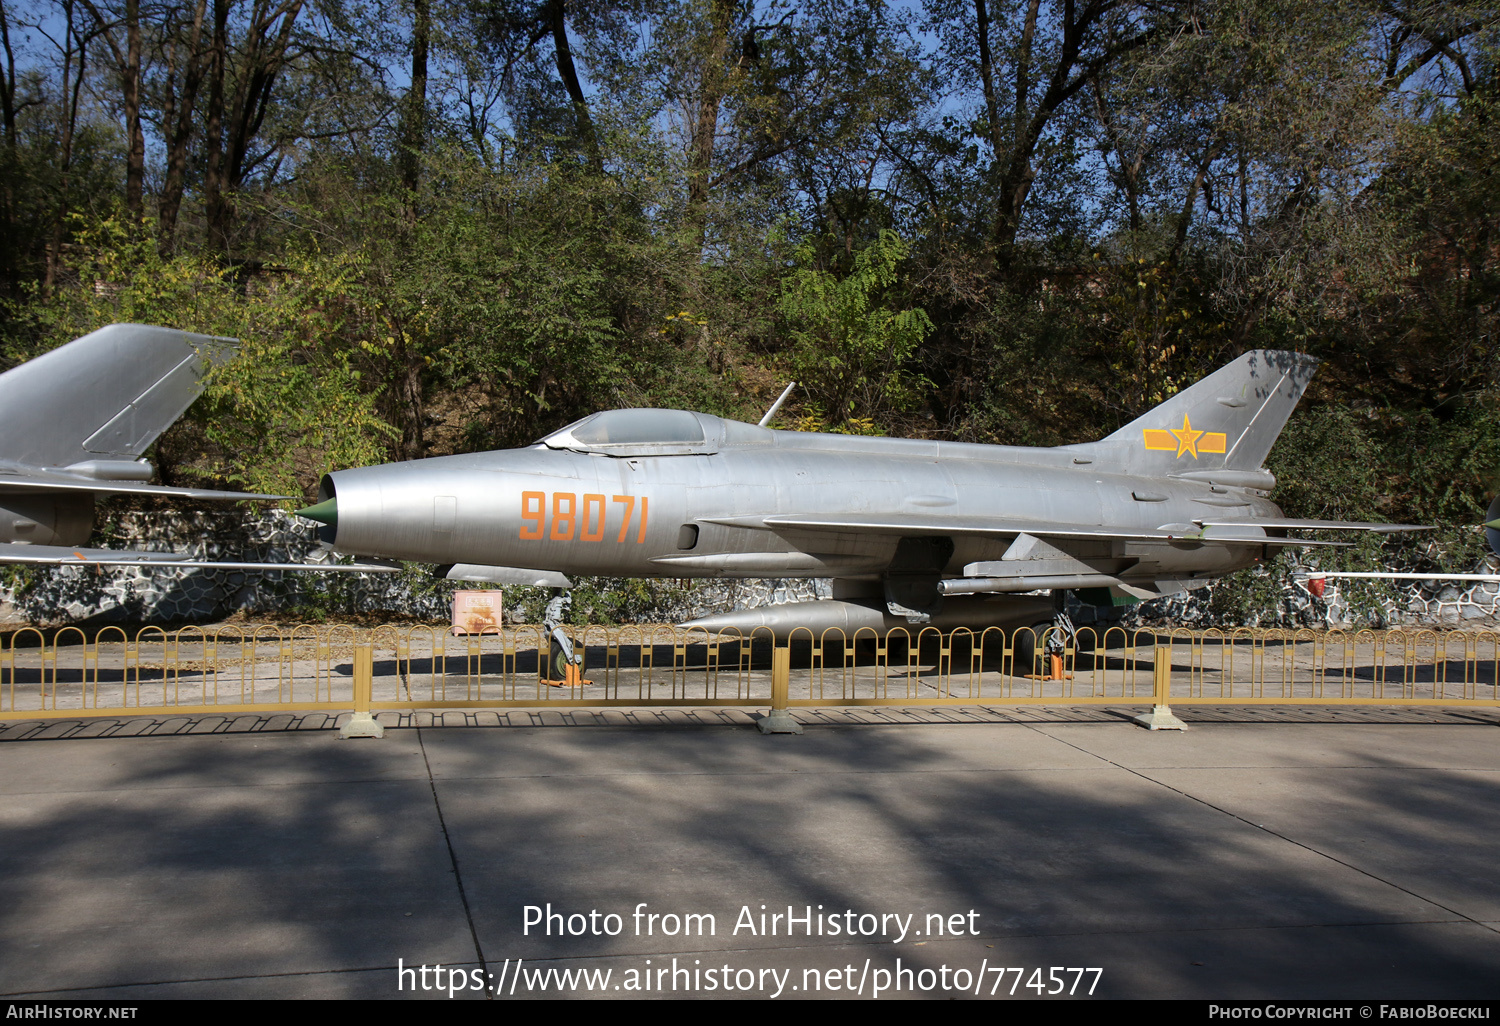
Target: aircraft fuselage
{"x": 703, "y": 514}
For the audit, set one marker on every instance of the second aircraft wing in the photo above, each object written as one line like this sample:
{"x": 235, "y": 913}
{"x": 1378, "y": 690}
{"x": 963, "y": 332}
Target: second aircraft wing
{"x": 15, "y": 480}
{"x": 67, "y": 555}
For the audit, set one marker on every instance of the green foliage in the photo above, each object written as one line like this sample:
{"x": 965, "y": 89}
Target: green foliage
{"x": 495, "y": 295}
{"x": 601, "y": 600}
{"x": 1334, "y": 462}
{"x": 608, "y": 600}
{"x": 1244, "y": 596}
{"x": 1159, "y": 331}
{"x": 1327, "y": 466}
{"x": 850, "y": 349}
{"x": 287, "y": 407}
{"x": 1024, "y": 376}
{"x": 1259, "y": 596}
{"x": 18, "y": 578}
{"x": 1454, "y": 461}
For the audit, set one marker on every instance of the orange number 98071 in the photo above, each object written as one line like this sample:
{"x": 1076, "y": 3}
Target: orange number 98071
{"x": 584, "y": 520}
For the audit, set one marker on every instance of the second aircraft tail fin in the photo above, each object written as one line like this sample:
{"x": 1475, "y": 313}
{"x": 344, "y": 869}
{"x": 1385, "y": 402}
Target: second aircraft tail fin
{"x": 107, "y": 395}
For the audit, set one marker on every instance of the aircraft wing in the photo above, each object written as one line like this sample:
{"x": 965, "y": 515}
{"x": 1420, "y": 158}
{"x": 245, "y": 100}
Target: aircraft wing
{"x": 1212, "y": 531}
{"x": 65, "y": 555}
{"x": 12, "y": 480}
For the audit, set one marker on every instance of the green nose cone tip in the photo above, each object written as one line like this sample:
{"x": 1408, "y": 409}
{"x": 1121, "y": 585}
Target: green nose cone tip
{"x": 325, "y": 512}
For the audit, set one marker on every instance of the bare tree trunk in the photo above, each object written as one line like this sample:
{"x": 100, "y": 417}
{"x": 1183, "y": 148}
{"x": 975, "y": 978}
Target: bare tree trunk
{"x": 1130, "y": 164}
{"x": 72, "y": 85}
{"x": 8, "y": 82}
{"x": 1069, "y": 74}
{"x": 135, "y": 154}
{"x": 8, "y": 113}
{"x": 234, "y": 119}
{"x": 987, "y": 73}
{"x": 1023, "y": 65}
{"x": 569, "y": 74}
{"x": 711, "y": 90}
{"x": 178, "y": 123}
{"x": 128, "y": 63}
{"x": 213, "y": 180}
{"x": 1185, "y": 218}
{"x": 414, "y": 127}
{"x": 264, "y": 61}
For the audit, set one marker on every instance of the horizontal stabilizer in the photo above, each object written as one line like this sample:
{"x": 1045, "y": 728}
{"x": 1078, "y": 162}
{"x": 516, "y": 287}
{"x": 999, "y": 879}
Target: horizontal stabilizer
{"x": 1286, "y": 524}
{"x": 65, "y": 555}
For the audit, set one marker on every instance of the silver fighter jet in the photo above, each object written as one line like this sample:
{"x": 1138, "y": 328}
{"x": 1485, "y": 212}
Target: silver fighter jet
{"x": 74, "y": 423}
{"x": 946, "y": 533}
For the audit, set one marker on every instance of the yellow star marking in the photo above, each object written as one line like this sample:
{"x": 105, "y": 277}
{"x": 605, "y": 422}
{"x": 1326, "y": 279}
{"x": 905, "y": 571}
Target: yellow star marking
{"x": 1187, "y": 438}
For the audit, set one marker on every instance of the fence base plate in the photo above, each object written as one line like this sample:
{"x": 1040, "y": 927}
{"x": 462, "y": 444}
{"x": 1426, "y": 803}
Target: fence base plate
{"x": 361, "y": 725}
{"x": 1160, "y": 718}
{"x": 779, "y": 721}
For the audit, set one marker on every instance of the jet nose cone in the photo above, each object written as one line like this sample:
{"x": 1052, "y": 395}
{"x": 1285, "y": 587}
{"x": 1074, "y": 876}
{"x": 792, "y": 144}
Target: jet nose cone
{"x": 325, "y": 512}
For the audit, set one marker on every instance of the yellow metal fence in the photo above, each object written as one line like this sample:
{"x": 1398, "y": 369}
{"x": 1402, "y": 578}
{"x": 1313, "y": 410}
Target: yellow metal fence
{"x": 115, "y": 672}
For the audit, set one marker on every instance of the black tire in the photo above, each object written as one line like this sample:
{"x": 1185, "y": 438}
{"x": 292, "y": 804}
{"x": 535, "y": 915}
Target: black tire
{"x": 1028, "y": 652}
{"x": 557, "y": 662}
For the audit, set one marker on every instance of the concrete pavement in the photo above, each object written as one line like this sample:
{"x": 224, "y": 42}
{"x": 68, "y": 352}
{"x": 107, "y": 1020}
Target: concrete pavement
{"x": 1265, "y": 853}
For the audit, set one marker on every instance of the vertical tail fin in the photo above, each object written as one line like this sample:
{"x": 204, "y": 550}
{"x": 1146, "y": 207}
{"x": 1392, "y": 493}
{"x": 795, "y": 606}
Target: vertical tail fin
{"x": 106, "y": 395}
{"x": 1227, "y": 421}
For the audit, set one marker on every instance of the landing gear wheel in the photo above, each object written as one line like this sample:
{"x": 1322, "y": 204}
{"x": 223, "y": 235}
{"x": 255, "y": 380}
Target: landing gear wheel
{"x": 564, "y": 665}
{"x": 557, "y": 662}
{"x": 1026, "y": 646}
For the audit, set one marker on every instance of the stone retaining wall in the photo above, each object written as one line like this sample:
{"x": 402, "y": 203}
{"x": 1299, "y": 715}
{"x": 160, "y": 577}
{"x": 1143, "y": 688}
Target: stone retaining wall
{"x": 1344, "y": 604}
{"x": 131, "y": 595}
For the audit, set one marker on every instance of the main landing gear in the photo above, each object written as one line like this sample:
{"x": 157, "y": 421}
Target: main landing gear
{"x": 1055, "y": 637}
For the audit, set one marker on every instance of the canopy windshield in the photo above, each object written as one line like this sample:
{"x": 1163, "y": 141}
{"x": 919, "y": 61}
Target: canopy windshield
{"x": 655, "y": 433}
{"x": 640, "y": 427}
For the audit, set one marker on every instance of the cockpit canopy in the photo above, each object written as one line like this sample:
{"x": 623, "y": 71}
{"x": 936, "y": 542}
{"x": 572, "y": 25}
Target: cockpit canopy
{"x": 655, "y": 433}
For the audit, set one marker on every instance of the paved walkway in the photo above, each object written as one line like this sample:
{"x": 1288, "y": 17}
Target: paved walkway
{"x": 1281, "y": 853}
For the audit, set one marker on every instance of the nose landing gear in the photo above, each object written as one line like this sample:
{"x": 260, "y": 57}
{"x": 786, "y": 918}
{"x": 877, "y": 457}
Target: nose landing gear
{"x": 564, "y": 665}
